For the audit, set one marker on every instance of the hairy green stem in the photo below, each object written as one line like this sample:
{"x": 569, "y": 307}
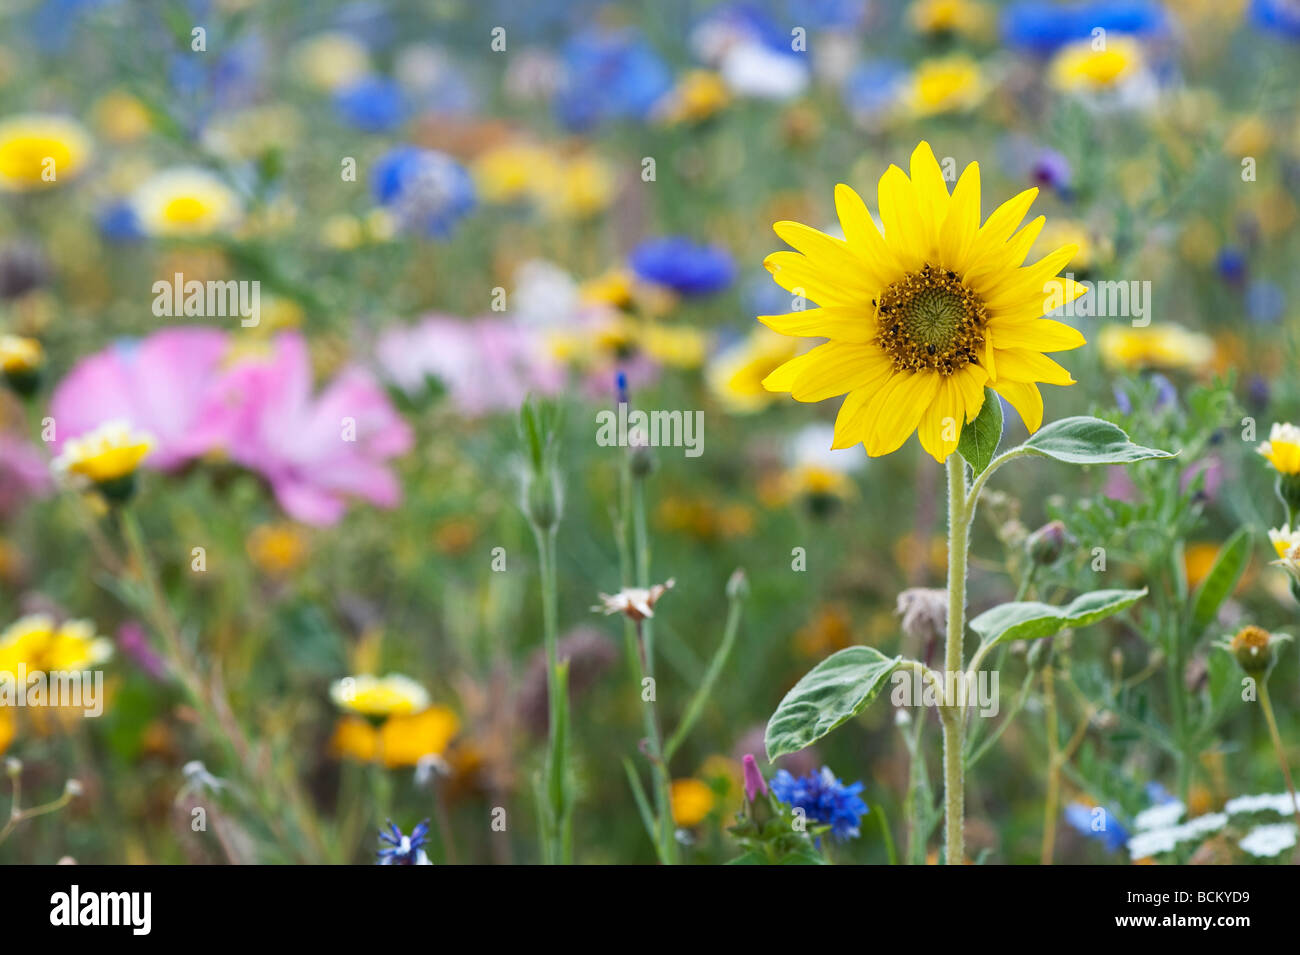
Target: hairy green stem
{"x": 952, "y": 715}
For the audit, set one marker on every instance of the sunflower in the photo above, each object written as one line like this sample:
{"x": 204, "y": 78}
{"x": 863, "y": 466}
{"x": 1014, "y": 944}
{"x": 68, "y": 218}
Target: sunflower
{"x": 922, "y": 318}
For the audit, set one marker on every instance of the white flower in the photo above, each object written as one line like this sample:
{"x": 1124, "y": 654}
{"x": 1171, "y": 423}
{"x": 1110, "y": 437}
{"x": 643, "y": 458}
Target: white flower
{"x": 752, "y": 69}
{"x": 545, "y": 295}
{"x": 1264, "y": 802}
{"x": 1159, "y": 817}
{"x": 636, "y": 603}
{"x": 811, "y": 447}
{"x": 1265, "y": 841}
{"x": 1155, "y": 841}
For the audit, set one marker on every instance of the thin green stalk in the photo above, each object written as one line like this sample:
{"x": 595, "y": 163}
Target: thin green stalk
{"x": 559, "y": 805}
{"x": 951, "y": 714}
{"x": 226, "y": 731}
{"x": 1267, "y": 704}
{"x": 701, "y": 697}
{"x": 645, "y": 641}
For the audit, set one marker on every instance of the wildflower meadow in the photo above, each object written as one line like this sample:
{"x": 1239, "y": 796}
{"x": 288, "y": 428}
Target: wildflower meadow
{"x": 690, "y": 433}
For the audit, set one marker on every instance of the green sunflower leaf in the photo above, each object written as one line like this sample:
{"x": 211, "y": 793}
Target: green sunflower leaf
{"x": 1031, "y": 620}
{"x": 979, "y": 438}
{"x": 836, "y": 689}
{"x": 1229, "y": 564}
{"x": 1084, "y": 440}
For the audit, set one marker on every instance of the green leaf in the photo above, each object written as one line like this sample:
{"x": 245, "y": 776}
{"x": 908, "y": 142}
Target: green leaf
{"x": 833, "y": 691}
{"x": 1084, "y": 440}
{"x": 979, "y": 438}
{"x": 1229, "y": 564}
{"x": 750, "y": 858}
{"x": 1031, "y": 620}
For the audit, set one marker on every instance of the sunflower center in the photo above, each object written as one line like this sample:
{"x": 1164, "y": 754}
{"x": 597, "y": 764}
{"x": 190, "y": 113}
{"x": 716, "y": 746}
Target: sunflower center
{"x": 930, "y": 320}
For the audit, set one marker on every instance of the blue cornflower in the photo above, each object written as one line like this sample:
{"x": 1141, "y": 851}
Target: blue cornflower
{"x": 1277, "y": 16}
{"x": 118, "y": 223}
{"x": 1106, "y": 829}
{"x": 824, "y": 799}
{"x": 872, "y": 89}
{"x": 372, "y": 104}
{"x": 609, "y": 75}
{"x": 683, "y": 266}
{"x": 1043, "y": 27}
{"x": 397, "y": 849}
{"x": 1230, "y": 263}
{"x": 1265, "y": 302}
{"x": 428, "y": 191}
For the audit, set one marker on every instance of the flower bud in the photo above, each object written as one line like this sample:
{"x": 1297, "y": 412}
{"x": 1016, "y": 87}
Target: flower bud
{"x": 738, "y": 587}
{"x": 1046, "y": 544}
{"x": 755, "y": 784}
{"x": 1252, "y": 648}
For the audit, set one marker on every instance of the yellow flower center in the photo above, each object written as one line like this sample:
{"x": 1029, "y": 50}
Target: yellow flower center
{"x": 930, "y": 320}
{"x": 185, "y": 209}
{"x": 1251, "y": 638}
{"x": 1104, "y": 67}
{"x": 25, "y": 159}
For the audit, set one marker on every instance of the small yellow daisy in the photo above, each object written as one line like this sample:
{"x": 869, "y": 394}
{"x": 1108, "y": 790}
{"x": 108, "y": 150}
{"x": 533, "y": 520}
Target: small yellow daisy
{"x": 692, "y": 801}
{"x": 111, "y": 452}
{"x": 944, "y": 85}
{"x": 373, "y": 696}
{"x": 1282, "y": 449}
{"x": 20, "y": 355}
{"x": 1080, "y": 67}
{"x": 39, "y": 151}
{"x": 1283, "y": 539}
{"x": 185, "y": 201}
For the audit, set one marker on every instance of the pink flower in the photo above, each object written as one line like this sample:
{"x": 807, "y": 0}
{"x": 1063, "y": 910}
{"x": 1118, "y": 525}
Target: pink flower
{"x": 314, "y": 450}
{"x": 486, "y": 365}
{"x": 754, "y": 781}
{"x": 162, "y": 385}
{"x": 24, "y": 473}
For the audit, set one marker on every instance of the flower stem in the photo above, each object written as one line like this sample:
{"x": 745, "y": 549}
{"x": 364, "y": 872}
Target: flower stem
{"x": 559, "y": 849}
{"x": 1267, "y": 704}
{"x": 952, "y": 715}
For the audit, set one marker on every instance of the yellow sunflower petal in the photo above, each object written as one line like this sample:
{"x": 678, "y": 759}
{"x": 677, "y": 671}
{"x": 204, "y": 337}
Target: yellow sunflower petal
{"x": 862, "y": 235}
{"x": 905, "y": 233}
{"x": 850, "y": 423}
{"x": 931, "y": 193}
{"x": 801, "y": 276}
{"x": 1040, "y": 334}
{"x": 940, "y": 426}
{"x": 839, "y": 367}
{"x": 783, "y": 376}
{"x": 1025, "y": 398}
{"x": 957, "y": 235}
{"x": 995, "y": 232}
{"x": 1019, "y": 364}
{"x": 970, "y": 383}
{"x": 1028, "y": 283}
{"x": 829, "y": 254}
{"x": 897, "y": 410}
{"x": 837, "y": 322}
